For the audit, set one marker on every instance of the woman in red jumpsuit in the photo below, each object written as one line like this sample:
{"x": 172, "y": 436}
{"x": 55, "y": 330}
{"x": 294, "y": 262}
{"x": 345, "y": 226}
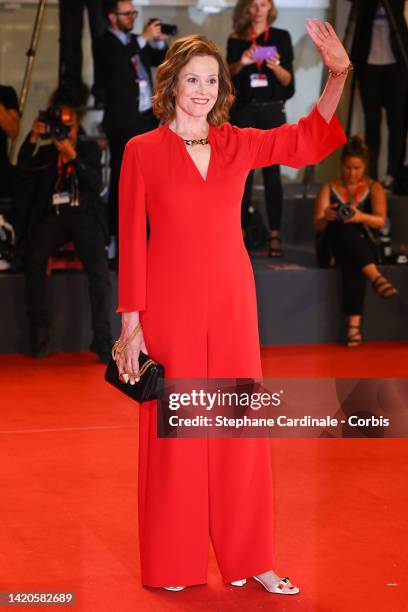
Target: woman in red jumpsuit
{"x": 191, "y": 288}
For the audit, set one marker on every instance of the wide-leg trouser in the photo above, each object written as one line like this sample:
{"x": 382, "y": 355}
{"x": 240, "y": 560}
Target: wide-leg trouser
{"x": 191, "y": 490}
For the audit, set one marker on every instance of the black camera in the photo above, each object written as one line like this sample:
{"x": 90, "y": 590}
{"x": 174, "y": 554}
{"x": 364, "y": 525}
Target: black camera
{"x": 58, "y": 121}
{"x": 344, "y": 212}
{"x": 166, "y": 28}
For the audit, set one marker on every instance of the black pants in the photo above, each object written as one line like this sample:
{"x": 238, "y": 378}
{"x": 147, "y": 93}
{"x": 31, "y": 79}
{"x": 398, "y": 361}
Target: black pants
{"x": 71, "y": 13}
{"x": 353, "y": 250}
{"x": 263, "y": 116}
{"x": 117, "y": 143}
{"x": 85, "y": 231}
{"x": 384, "y": 86}
{"x": 7, "y": 180}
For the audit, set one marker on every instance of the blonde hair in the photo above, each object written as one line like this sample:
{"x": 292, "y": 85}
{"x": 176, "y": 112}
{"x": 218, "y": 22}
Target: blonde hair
{"x": 178, "y": 55}
{"x": 241, "y": 19}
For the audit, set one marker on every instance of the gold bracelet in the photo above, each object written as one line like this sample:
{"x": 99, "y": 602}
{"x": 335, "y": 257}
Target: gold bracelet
{"x": 119, "y": 348}
{"x": 345, "y": 71}
{"x": 142, "y": 370}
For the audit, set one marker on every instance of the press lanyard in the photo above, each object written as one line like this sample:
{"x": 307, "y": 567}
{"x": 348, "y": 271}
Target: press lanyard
{"x": 133, "y": 59}
{"x": 253, "y": 42}
{"x": 67, "y": 174}
{"x": 73, "y": 194}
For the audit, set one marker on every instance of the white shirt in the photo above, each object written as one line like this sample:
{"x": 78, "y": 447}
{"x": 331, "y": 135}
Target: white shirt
{"x": 381, "y": 53}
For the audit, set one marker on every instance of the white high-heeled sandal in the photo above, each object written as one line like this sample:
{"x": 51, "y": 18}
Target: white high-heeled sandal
{"x": 283, "y": 587}
{"x": 174, "y": 588}
{"x": 279, "y": 588}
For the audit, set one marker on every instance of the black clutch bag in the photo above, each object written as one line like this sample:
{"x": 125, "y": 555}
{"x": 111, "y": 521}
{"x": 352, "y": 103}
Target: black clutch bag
{"x": 150, "y": 385}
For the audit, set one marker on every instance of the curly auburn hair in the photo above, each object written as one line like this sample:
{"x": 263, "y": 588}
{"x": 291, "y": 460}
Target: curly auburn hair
{"x": 242, "y": 21}
{"x": 178, "y": 55}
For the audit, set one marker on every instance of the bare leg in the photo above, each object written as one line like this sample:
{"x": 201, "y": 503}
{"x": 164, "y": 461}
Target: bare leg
{"x": 354, "y": 337}
{"x": 381, "y": 285}
{"x": 275, "y": 249}
{"x": 371, "y": 271}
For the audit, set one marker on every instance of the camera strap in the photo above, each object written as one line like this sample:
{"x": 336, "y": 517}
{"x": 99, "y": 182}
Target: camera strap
{"x": 64, "y": 173}
{"x": 135, "y": 65}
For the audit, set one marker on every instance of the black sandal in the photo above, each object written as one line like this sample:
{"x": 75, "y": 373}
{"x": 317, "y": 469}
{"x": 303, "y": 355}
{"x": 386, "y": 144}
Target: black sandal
{"x": 277, "y": 251}
{"x": 353, "y": 339}
{"x": 383, "y": 287}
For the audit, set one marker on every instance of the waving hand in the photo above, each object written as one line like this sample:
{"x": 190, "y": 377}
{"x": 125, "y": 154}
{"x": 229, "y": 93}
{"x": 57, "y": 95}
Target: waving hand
{"x": 329, "y": 45}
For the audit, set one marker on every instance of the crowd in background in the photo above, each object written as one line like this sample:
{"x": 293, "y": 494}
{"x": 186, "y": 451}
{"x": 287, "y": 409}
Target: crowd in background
{"x": 56, "y": 185}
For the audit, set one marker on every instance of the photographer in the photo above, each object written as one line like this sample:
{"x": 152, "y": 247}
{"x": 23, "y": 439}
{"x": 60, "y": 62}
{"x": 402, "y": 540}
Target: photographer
{"x": 379, "y": 53}
{"x": 124, "y": 62}
{"x": 9, "y": 128}
{"x": 57, "y": 200}
{"x": 348, "y": 211}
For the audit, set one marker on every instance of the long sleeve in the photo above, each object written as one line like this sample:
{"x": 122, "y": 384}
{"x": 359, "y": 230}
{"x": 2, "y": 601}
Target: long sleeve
{"x": 132, "y": 234}
{"x": 295, "y": 145}
{"x": 32, "y": 158}
{"x": 88, "y": 166}
{"x": 156, "y": 54}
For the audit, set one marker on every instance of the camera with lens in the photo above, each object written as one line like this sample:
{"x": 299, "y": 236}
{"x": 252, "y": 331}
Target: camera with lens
{"x": 166, "y": 28}
{"x": 344, "y": 212}
{"x": 58, "y": 121}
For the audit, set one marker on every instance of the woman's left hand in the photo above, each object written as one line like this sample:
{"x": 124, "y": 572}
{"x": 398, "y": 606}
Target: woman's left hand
{"x": 356, "y": 218}
{"x": 273, "y": 62}
{"x": 329, "y": 45}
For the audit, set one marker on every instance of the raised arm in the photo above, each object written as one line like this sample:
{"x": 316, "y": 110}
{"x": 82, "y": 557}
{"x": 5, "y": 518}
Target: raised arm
{"x": 295, "y": 145}
{"x": 337, "y": 62}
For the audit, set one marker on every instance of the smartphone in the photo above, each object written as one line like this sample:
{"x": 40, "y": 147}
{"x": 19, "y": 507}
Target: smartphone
{"x": 264, "y": 53}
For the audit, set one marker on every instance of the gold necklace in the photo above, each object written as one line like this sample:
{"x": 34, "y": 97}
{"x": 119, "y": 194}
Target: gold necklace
{"x": 199, "y": 141}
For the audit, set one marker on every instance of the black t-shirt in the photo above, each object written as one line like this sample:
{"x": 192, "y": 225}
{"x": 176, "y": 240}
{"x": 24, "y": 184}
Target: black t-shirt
{"x": 275, "y": 90}
{"x": 8, "y": 98}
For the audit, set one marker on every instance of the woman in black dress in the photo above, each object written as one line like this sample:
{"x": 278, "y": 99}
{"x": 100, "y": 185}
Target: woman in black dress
{"x": 262, "y": 87}
{"x": 349, "y": 210}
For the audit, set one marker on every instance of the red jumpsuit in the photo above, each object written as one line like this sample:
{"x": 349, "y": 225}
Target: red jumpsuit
{"x": 194, "y": 286}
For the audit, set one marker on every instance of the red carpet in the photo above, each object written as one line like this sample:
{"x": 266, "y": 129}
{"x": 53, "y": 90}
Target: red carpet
{"x": 68, "y": 516}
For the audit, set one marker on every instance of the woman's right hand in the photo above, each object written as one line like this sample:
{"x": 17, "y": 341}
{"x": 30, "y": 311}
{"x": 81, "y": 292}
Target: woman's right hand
{"x": 38, "y": 128}
{"x": 330, "y": 212}
{"x": 247, "y": 56}
{"x": 128, "y": 360}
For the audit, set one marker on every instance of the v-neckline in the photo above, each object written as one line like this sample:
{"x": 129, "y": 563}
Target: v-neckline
{"x": 336, "y": 193}
{"x": 195, "y": 167}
